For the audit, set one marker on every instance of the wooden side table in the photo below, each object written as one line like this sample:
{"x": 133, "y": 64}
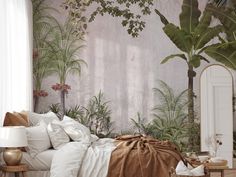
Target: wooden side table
{"x": 218, "y": 169}
{"x": 22, "y": 168}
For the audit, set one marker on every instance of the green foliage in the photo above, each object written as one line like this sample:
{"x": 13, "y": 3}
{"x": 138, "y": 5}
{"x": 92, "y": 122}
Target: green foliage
{"x": 141, "y": 125}
{"x": 194, "y": 32}
{"x": 64, "y": 50}
{"x": 55, "y": 108}
{"x": 75, "y": 112}
{"x": 224, "y": 52}
{"x": 43, "y": 27}
{"x": 131, "y": 19}
{"x": 189, "y": 17}
{"x": 227, "y": 17}
{"x": 96, "y": 115}
{"x": 169, "y": 117}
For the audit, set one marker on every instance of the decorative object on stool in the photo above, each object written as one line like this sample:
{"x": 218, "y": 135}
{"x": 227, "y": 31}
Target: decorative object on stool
{"x": 12, "y": 137}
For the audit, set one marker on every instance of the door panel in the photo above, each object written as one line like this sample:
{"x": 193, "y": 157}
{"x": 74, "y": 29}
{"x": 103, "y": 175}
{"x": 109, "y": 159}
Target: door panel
{"x": 217, "y": 110}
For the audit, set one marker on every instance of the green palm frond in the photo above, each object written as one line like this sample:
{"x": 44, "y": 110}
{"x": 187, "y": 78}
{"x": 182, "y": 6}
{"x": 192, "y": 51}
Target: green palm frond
{"x": 169, "y": 117}
{"x": 64, "y": 49}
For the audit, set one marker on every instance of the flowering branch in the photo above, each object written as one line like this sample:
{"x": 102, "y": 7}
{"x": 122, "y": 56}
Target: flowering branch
{"x": 40, "y": 93}
{"x": 61, "y": 87}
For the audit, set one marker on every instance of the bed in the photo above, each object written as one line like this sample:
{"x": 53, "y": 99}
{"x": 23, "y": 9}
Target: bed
{"x": 67, "y": 149}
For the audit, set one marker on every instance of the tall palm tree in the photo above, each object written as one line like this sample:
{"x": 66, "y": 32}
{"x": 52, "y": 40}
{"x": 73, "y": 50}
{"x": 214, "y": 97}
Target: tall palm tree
{"x": 43, "y": 27}
{"x": 64, "y": 49}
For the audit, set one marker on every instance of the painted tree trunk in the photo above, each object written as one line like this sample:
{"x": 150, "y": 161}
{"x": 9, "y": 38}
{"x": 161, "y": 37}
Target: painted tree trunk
{"x": 191, "y": 75}
{"x": 63, "y": 108}
{"x": 36, "y": 103}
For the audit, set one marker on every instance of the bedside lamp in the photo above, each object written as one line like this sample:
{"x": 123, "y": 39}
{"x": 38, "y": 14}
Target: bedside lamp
{"x": 12, "y": 137}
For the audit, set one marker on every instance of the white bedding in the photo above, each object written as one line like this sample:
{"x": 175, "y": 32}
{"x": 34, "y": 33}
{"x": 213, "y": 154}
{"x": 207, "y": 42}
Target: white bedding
{"x": 80, "y": 159}
{"x": 86, "y": 156}
{"x": 41, "y": 162}
{"x": 96, "y": 160}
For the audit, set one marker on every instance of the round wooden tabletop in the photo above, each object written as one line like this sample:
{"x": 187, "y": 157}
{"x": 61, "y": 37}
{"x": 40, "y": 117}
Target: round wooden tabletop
{"x": 17, "y": 168}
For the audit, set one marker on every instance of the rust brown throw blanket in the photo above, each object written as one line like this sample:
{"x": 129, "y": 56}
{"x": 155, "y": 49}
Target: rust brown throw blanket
{"x": 138, "y": 156}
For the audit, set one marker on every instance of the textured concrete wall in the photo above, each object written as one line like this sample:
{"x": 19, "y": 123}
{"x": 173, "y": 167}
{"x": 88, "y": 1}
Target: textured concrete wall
{"x": 124, "y": 68}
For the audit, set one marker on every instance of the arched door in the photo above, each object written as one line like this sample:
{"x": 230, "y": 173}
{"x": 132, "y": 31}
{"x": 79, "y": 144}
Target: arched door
{"x": 217, "y": 112}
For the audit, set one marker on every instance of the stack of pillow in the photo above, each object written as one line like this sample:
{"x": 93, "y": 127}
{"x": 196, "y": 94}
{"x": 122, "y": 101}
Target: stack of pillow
{"x": 45, "y": 131}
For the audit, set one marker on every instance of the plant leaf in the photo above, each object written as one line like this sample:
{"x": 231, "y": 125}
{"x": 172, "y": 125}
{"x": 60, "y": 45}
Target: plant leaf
{"x": 228, "y": 19}
{"x": 181, "y": 56}
{"x": 223, "y": 53}
{"x": 189, "y": 15}
{"x": 208, "y": 35}
{"x": 195, "y": 61}
{"x": 204, "y": 22}
{"x": 162, "y": 17}
{"x": 179, "y": 37}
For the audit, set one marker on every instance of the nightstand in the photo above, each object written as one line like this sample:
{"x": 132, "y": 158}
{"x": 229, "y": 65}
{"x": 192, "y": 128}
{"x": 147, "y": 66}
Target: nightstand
{"x": 22, "y": 168}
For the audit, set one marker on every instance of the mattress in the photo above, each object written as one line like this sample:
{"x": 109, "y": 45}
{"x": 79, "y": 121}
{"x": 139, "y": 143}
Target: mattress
{"x": 41, "y": 162}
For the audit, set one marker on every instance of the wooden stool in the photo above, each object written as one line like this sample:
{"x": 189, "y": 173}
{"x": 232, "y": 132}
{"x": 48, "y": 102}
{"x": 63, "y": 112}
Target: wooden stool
{"x": 14, "y": 169}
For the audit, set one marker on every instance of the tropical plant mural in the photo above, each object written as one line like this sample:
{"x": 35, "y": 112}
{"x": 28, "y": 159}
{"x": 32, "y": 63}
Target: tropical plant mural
{"x": 64, "y": 49}
{"x": 169, "y": 118}
{"x": 57, "y": 47}
{"x": 56, "y": 51}
{"x": 43, "y": 27}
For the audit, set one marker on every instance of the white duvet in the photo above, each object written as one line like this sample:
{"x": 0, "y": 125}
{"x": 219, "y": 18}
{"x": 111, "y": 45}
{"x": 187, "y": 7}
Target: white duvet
{"x": 80, "y": 159}
{"x": 86, "y": 157}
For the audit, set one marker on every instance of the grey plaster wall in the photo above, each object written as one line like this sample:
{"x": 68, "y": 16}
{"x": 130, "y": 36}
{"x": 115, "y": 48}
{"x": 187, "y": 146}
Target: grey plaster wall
{"x": 125, "y": 68}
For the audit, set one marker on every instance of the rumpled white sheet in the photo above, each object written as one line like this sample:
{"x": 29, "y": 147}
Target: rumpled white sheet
{"x": 81, "y": 159}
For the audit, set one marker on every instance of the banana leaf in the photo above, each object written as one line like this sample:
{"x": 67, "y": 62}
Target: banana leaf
{"x": 227, "y": 17}
{"x": 204, "y": 23}
{"x": 223, "y": 53}
{"x": 189, "y": 17}
{"x": 208, "y": 35}
{"x": 179, "y": 37}
{"x": 181, "y": 56}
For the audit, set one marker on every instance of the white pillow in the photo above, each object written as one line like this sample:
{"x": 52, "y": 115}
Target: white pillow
{"x": 198, "y": 171}
{"x": 75, "y": 130}
{"x": 181, "y": 169}
{"x": 57, "y": 134}
{"x": 35, "y": 118}
{"x": 38, "y": 139}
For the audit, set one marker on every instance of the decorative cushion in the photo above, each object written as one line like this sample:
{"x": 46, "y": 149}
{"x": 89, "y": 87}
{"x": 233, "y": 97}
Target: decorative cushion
{"x": 24, "y": 115}
{"x": 14, "y": 119}
{"x": 75, "y": 130}
{"x": 57, "y": 135}
{"x": 35, "y": 118}
{"x": 181, "y": 169}
{"x": 38, "y": 139}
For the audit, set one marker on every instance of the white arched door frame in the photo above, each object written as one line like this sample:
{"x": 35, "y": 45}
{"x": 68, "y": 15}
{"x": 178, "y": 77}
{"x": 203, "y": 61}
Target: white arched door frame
{"x": 216, "y": 90}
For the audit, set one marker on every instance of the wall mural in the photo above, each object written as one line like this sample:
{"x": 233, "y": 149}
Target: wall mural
{"x": 57, "y": 47}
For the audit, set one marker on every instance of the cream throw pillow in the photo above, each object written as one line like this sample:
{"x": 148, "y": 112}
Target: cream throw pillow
{"x": 38, "y": 139}
{"x": 57, "y": 134}
{"x": 75, "y": 130}
{"x": 35, "y": 118}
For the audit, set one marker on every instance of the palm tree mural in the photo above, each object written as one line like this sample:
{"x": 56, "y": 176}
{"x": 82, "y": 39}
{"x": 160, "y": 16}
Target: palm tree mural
{"x": 43, "y": 27}
{"x": 192, "y": 37}
{"x": 64, "y": 49}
